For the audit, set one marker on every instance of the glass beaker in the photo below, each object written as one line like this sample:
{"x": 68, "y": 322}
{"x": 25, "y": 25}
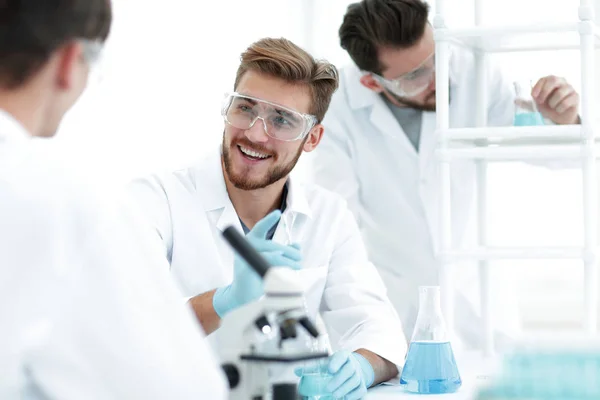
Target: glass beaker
{"x": 315, "y": 374}
{"x": 430, "y": 366}
{"x": 526, "y": 112}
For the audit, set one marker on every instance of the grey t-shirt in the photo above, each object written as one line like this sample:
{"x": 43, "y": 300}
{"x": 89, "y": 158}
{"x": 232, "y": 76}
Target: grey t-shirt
{"x": 409, "y": 119}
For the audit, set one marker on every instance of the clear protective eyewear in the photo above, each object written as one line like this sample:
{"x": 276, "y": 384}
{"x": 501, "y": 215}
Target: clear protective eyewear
{"x": 279, "y": 122}
{"x": 92, "y": 49}
{"x": 412, "y": 83}
{"x": 92, "y": 54}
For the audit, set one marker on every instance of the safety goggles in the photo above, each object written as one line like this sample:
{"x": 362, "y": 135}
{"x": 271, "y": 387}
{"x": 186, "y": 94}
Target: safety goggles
{"x": 412, "y": 83}
{"x": 92, "y": 54}
{"x": 279, "y": 122}
{"x": 92, "y": 49}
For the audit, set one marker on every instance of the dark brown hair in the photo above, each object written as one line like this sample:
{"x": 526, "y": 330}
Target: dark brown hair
{"x": 280, "y": 58}
{"x": 372, "y": 24}
{"x": 31, "y": 30}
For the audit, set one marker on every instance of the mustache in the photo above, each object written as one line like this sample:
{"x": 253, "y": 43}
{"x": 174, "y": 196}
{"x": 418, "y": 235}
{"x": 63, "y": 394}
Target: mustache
{"x": 244, "y": 142}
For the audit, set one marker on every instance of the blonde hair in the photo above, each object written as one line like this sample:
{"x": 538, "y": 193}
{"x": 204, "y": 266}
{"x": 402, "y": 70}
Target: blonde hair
{"x": 280, "y": 58}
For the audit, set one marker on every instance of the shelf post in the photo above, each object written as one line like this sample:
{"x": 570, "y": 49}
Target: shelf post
{"x": 589, "y": 173}
{"x": 485, "y": 287}
{"x": 442, "y": 86}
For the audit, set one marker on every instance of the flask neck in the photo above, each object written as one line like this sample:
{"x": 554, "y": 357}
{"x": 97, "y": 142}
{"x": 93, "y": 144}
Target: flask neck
{"x": 430, "y": 325}
{"x": 429, "y": 300}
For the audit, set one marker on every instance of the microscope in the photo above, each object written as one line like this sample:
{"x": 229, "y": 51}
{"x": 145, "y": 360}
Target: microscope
{"x": 266, "y": 336}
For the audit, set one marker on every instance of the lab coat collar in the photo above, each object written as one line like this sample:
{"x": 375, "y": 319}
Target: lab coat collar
{"x": 210, "y": 184}
{"x": 358, "y": 95}
{"x": 11, "y": 129}
{"x": 381, "y": 117}
{"x": 296, "y": 197}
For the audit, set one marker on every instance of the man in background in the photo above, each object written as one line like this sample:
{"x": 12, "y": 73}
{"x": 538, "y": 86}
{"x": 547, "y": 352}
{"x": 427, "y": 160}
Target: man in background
{"x": 379, "y": 154}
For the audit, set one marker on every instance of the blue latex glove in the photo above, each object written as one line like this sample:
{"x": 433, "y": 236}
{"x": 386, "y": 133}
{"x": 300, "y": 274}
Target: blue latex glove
{"x": 352, "y": 375}
{"x": 247, "y": 285}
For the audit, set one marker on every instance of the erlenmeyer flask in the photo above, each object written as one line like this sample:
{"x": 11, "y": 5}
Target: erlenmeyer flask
{"x": 526, "y": 112}
{"x": 430, "y": 366}
{"x": 315, "y": 374}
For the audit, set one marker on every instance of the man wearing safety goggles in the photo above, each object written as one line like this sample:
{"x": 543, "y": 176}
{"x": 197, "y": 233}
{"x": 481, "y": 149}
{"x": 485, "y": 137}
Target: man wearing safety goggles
{"x": 379, "y": 151}
{"x": 280, "y": 96}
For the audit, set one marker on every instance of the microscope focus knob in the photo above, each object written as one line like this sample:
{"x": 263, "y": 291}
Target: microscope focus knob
{"x": 285, "y": 391}
{"x": 233, "y": 375}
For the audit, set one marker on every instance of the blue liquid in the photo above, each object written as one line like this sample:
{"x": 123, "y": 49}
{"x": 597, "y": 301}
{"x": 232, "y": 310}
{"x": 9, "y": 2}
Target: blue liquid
{"x": 529, "y": 119}
{"x": 313, "y": 386}
{"x": 430, "y": 368}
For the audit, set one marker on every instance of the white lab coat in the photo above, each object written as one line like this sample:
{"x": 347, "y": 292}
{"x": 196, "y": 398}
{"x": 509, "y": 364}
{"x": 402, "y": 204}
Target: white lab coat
{"x": 85, "y": 313}
{"x": 393, "y": 191}
{"x": 189, "y": 209}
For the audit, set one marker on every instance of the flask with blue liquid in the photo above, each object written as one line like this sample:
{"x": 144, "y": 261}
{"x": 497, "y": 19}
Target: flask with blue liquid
{"x": 430, "y": 366}
{"x": 315, "y": 373}
{"x": 526, "y": 112}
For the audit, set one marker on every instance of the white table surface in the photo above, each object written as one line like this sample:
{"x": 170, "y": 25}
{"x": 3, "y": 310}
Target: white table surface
{"x": 475, "y": 372}
{"x": 466, "y": 392}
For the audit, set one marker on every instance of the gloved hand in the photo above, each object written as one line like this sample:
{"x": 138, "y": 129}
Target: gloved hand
{"x": 247, "y": 285}
{"x": 352, "y": 375}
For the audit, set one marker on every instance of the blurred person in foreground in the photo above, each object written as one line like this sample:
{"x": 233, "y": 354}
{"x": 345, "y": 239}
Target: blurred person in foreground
{"x": 86, "y": 313}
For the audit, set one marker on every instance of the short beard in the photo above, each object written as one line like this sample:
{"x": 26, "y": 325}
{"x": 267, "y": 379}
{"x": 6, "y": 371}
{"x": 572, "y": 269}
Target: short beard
{"x": 406, "y": 102}
{"x": 273, "y": 175}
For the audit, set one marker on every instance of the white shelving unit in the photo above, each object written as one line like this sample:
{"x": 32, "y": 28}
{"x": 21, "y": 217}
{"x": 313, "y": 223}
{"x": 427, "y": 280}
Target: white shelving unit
{"x": 483, "y": 144}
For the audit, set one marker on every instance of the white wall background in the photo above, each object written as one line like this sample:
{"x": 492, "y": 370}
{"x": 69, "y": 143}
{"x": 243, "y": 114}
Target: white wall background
{"x": 168, "y": 64}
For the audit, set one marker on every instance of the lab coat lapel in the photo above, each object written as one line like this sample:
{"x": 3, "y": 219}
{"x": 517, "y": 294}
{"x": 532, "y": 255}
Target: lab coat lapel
{"x": 383, "y": 119}
{"x": 229, "y": 218}
{"x": 296, "y": 214}
{"x": 210, "y": 186}
{"x": 212, "y": 192}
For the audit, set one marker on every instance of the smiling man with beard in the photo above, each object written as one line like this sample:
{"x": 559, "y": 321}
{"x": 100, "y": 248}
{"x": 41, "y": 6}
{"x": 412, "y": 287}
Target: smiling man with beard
{"x": 280, "y": 97}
